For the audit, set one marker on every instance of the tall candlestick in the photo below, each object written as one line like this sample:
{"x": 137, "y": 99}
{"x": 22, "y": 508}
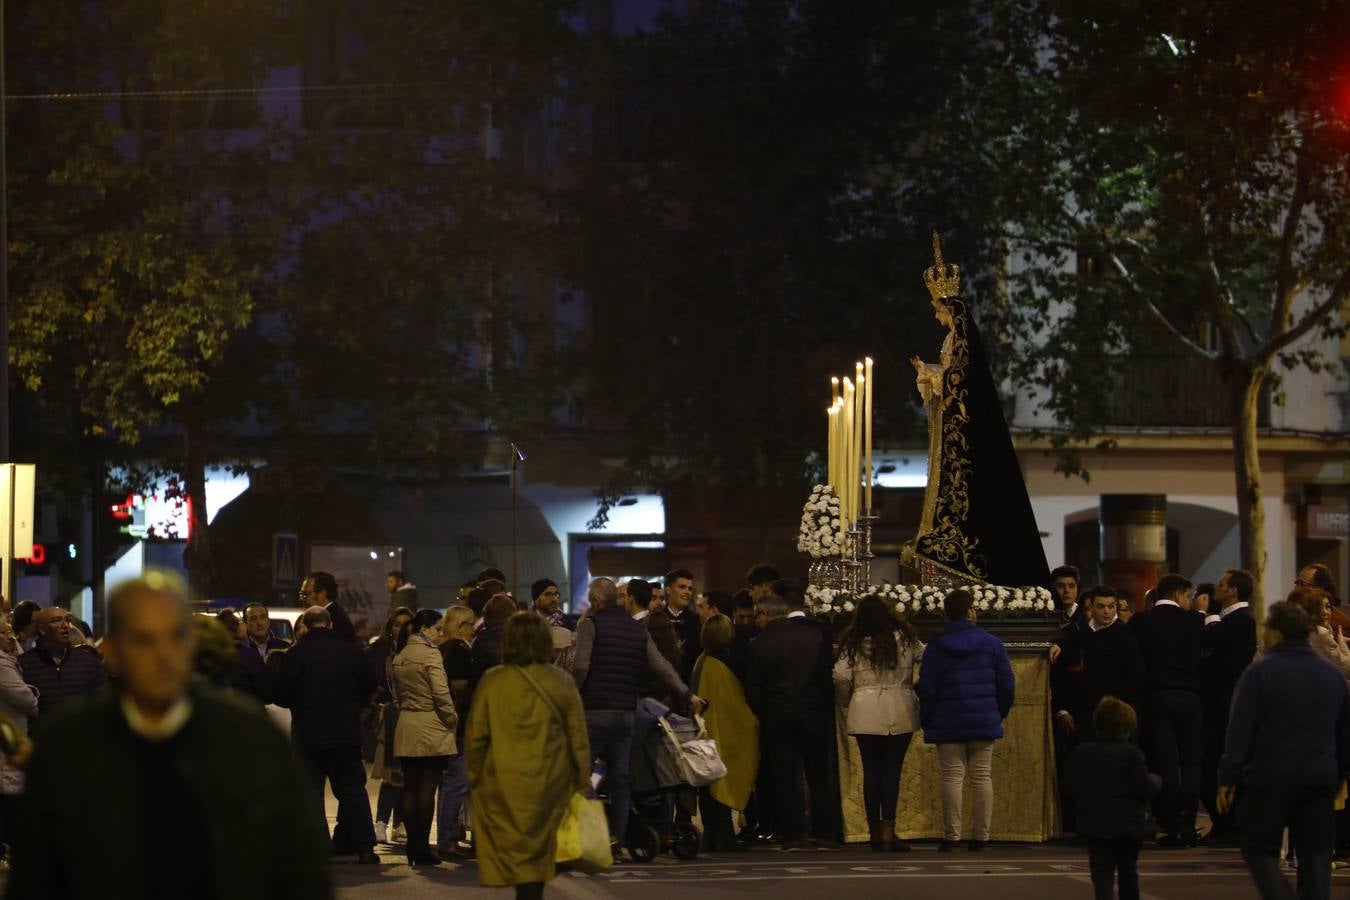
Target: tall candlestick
{"x": 867, "y": 435}
{"x": 855, "y": 484}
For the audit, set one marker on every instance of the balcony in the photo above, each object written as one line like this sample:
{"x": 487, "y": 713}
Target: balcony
{"x": 1173, "y": 392}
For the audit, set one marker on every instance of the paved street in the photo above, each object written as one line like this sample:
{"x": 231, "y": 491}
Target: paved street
{"x": 1030, "y": 871}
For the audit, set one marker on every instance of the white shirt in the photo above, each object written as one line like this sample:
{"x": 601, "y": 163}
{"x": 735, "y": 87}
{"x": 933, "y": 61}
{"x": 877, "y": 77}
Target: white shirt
{"x": 1212, "y": 618}
{"x": 171, "y": 724}
{"x": 1092, "y": 623}
{"x": 641, "y": 614}
{"x": 1167, "y": 603}
{"x": 796, "y": 614}
{"x": 1069, "y": 613}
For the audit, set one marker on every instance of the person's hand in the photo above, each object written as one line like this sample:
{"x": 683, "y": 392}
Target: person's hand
{"x": 1055, "y": 651}
{"x": 1065, "y": 722}
{"x": 697, "y": 704}
{"x": 1225, "y": 799}
{"x": 917, "y": 363}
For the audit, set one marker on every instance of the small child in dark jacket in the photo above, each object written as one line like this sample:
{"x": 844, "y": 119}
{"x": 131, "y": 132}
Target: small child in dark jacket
{"x": 1110, "y": 786}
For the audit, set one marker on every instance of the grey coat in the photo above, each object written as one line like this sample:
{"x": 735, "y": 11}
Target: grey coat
{"x": 18, "y": 702}
{"x": 426, "y": 714}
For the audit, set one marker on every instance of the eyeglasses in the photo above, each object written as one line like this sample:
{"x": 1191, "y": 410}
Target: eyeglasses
{"x": 552, "y": 592}
{"x": 305, "y": 595}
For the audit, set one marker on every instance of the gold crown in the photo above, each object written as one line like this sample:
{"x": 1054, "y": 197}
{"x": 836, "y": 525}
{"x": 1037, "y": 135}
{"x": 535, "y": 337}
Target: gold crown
{"x": 943, "y": 281}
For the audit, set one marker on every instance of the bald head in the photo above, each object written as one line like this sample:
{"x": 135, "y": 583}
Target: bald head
{"x": 53, "y": 626}
{"x": 603, "y": 592}
{"x": 149, "y": 642}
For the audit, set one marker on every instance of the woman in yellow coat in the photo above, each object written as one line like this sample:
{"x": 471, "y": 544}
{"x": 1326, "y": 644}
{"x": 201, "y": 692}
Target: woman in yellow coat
{"x": 525, "y": 760}
{"x": 735, "y": 729}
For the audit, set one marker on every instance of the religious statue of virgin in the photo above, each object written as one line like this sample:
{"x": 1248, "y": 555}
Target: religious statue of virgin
{"x": 977, "y": 524}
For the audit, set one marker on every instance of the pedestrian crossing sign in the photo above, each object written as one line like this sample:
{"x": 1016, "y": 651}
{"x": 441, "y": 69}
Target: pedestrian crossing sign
{"x": 285, "y": 560}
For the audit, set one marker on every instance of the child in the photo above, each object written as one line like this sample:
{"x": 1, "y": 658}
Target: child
{"x": 1110, "y": 786}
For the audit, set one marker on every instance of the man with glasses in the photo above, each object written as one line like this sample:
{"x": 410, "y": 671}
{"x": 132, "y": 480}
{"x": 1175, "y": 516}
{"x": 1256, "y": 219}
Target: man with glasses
{"x": 320, "y": 589}
{"x": 545, "y": 595}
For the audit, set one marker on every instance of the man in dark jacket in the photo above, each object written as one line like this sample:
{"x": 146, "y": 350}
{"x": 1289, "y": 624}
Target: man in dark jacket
{"x": 787, "y": 682}
{"x": 1288, "y": 747}
{"x": 58, "y": 670}
{"x": 250, "y": 670}
{"x": 321, "y": 589}
{"x": 1101, "y": 657}
{"x": 327, "y": 685}
{"x": 1171, "y": 636}
{"x": 966, "y": 690}
{"x": 1230, "y": 645}
{"x": 135, "y": 794}
{"x": 486, "y": 651}
{"x": 613, "y": 652}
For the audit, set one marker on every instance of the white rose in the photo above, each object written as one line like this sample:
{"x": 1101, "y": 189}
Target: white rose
{"x": 998, "y": 604}
{"x": 1002, "y": 593}
{"x": 848, "y": 606}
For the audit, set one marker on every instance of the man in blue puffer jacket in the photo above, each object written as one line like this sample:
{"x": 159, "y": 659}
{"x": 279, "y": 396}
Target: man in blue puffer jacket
{"x": 965, "y": 692}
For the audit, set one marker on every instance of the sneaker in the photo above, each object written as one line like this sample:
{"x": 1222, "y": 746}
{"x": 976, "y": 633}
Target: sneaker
{"x": 399, "y": 835}
{"x": 381, "y": 833}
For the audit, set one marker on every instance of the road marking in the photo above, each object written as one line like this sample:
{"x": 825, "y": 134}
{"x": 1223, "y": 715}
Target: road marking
{"x": 685, "y": 878}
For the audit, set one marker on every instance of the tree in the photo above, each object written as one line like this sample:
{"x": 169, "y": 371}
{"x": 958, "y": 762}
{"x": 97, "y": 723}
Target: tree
{"x": 737, "y": 230}
{"x": 1195, "y": 155}
{"x": 206, "y": 279}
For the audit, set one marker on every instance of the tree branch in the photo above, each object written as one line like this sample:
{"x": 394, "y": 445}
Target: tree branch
{"x": 1278, "y": 342}
{"x": 1285, "y": 276}
{"x": 1152, "y": 311}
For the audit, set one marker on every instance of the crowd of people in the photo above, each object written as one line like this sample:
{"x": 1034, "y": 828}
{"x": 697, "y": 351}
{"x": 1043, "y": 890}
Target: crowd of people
{"x": 482, "y": 721}
{"x": 1177, "y": 702}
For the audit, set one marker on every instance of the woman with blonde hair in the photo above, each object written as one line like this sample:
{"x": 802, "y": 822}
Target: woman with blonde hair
{"x": 732, "y": 725}
{"x": 527, "y": 754}
{"x": 1329, "y": 645}
{"x": 456, "y": 635}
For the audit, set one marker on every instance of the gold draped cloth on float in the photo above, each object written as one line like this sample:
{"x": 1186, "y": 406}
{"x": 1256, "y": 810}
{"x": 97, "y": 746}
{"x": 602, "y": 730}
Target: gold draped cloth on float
{"x": 1025, "y": 808}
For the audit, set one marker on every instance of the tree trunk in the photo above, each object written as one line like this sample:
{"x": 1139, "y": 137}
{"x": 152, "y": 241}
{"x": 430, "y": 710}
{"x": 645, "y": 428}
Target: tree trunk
{"x": 1245, "y": 389}
{"x": 197, "y": 556}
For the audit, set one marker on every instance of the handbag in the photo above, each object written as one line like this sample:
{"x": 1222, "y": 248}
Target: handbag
{"x": 583, "y": 834}
{"x": 700, "y": 763}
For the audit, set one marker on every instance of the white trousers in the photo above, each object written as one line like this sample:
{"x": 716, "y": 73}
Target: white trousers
{"x": 973, "y": 758}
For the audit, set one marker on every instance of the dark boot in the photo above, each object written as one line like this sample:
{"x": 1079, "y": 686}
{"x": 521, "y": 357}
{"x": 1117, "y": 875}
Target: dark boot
{"x": 889, "y": 840}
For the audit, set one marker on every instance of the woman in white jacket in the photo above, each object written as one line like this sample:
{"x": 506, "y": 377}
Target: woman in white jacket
{"x": 874, "y": 681}
{"x": 1329, "y": 645}
{"x": 18, "y": 703}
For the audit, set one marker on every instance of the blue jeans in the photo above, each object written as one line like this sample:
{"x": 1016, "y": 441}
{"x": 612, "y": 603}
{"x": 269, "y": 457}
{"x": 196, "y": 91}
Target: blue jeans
{"x": 611, "y": 737}
{"x": 1262, "y": 815}
{"x": 454, "y": 793}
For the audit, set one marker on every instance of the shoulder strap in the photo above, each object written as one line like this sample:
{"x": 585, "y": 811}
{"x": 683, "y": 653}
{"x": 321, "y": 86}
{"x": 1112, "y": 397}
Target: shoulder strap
{"x": 562, "y": 723}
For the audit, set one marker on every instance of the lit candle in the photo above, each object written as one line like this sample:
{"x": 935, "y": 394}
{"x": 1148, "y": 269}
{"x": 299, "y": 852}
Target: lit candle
{"x": 867, "y": 435}
{"x": 846, "y": 468}
{"x": 855, "y": 482}
{"x": 832, "y": 416}
{"x": 834, "y": 389}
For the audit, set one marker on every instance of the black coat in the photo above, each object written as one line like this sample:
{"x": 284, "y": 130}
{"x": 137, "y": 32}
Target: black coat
{"x": 1093, "y": 665}
{"x": 1231, "y": 644}
{"x": 787, "y": 673}
{"x": 1109, "y": 786}
{"x": 1170, "y": 639}
{"x": 486, "y": 651}
{"x": 250, "y": 670}
{"x": 342, "y": 623}
{"x": 85, "y": 832}
{"x": 79, "y": 672}
{"x": 326, "y": 684}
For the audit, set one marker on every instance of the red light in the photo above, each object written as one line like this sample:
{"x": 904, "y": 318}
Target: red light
{"x": 39, "y": 556}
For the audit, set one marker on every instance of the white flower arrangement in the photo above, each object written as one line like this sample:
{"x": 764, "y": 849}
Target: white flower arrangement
{"x": 818, "y": 536}
{"x": 915, "y": 598}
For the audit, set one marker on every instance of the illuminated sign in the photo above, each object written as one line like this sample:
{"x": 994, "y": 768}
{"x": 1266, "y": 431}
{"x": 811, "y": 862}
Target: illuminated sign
{"x": 154, "y": 516}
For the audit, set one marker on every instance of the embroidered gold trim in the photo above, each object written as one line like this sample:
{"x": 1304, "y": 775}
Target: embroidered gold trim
{"x": 944, "y": 543}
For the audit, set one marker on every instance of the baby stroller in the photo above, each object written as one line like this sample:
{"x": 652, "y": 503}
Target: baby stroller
{"x": 659, "y": 787}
